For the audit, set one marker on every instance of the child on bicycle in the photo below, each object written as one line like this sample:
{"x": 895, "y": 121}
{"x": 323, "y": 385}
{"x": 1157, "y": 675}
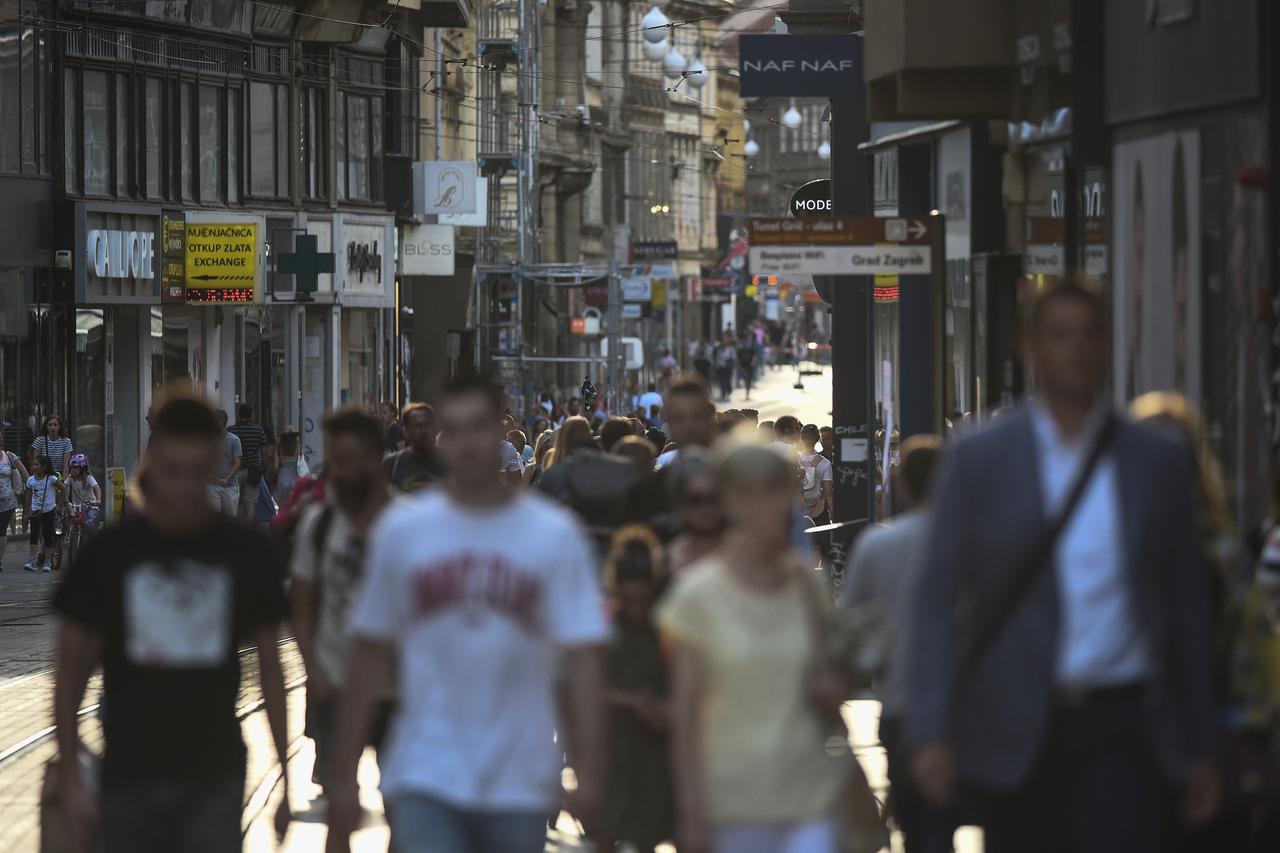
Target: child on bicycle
{"x": 83, "y": 491}
{"x": 45, "y": 490}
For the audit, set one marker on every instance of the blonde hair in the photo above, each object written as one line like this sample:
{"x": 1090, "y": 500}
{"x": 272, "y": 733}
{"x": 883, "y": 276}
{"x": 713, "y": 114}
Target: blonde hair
{"x": 1173, "y": 408}
{"x": 575, "y": 432}
{"x": 627, "y": 537}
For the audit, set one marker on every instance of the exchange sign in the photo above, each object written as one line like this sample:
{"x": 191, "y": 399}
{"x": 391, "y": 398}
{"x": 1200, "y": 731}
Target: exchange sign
{"x": 222, "y": 261}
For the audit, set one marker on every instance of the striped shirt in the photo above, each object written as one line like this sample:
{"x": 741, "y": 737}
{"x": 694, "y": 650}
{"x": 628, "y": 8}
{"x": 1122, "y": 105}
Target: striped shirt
{"x": 57, "y": 450}
{"x": 252, "y": 437}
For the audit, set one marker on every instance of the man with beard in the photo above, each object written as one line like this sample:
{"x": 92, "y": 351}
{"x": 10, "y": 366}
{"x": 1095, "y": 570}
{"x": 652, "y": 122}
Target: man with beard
{"x": 328, "y": 563}
{"x": 418, "y": 465}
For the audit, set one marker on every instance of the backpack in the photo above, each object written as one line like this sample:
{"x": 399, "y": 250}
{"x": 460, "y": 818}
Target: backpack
{"x": 811, "y": 484}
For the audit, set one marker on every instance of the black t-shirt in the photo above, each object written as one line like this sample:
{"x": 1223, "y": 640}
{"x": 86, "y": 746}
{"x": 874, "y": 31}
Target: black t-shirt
{"x": 170, "y": 613}
{"x": 408, "y": 470}
{"x": 395, "y": 435}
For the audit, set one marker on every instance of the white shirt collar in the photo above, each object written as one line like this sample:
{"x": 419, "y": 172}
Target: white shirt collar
{"x": 1049, "y": 436}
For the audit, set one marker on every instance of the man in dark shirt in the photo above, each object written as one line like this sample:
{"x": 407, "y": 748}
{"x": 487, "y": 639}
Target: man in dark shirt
{"x": 252, "y": 439}
{"x": 163, "y": 601}
{"x": 417, "y": 466}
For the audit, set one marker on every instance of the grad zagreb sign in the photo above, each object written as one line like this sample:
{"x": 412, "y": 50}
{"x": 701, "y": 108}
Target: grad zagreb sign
{"x": 824, "y": 65}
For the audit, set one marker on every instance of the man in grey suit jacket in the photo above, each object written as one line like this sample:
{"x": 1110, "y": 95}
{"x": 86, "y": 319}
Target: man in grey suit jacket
{"x": 1090, "y": 707}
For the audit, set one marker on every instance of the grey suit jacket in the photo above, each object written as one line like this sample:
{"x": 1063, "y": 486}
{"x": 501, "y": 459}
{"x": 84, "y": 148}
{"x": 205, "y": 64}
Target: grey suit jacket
{"x": 986, "y": 512}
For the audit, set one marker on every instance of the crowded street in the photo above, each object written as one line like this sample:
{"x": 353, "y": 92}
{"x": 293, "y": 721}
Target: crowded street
{"x": 677, "y": 426}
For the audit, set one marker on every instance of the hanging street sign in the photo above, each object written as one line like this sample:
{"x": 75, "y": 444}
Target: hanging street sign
{"x": 821, "y": 65}
{"x": 222, "y": 261}
{"x": 811, "y": 199}
{"x": 844, "y": 245}
{"x": 173, "y": 257}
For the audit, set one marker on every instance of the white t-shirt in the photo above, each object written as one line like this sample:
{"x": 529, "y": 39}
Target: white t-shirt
{"x": 510, "y": 459}
{"x": 666, "y": 458}
{"x": 44, "y": 494}
{"x": 77, "y": 493}
{"x": 648, "y": 400}
{"x": 477, "y": 618}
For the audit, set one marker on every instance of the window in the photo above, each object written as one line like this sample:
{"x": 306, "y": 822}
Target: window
{"x": 360, "y": 153}
{"x": 124, "y": 187}
{"x": 186, "y": 166}
{"x": 153, "y": 123}
{"x": 315, "y": 152}
{"x": 71, "y": 129}
{"x": 233, "y": 144}
{"x": 211, "y": 143}
{"x": 402, "y": 101}
{"x": 268, "y": 140}
{"x": 97, "y": 133}
{"x": 23, "y": 115}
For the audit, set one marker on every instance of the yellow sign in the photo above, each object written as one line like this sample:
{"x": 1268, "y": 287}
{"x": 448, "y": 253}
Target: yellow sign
{"x": 658, "y": 293}
{"x": 117, "y": 488}
{"x": 222, "y": 261}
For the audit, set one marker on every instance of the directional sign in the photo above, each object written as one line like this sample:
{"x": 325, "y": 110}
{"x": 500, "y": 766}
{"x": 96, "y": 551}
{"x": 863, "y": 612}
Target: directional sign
{"x": 844, "y": 245}
{"x": 837, "y": 231}
{"x": 222, "y": 261}
{"x": 842, "y": 260}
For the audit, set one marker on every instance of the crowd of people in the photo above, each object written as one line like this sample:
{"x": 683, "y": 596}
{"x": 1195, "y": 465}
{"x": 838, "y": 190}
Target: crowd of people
{"x": 1059, "y": 633}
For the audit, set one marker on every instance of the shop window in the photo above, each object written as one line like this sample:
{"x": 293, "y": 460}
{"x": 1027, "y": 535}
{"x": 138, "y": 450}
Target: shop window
{"x": 268, "y": 140}
{"x": 97, "y": 133}
{"x": 360, "y": 337}
{"x": 153, "y": 122}
{"x": 212, "y": 142}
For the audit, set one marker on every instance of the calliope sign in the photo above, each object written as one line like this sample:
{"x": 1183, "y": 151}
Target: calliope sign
{"x": 120, "y": 254}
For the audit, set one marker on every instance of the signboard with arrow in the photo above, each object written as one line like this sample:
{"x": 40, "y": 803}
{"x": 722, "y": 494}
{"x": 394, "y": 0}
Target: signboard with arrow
{"x": 842, "y": 245}
{"x": 222, "y": 261}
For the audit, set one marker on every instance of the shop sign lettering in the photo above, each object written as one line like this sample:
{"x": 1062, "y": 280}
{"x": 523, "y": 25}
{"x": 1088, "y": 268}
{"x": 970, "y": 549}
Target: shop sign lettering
{"x": 120, "y": 254}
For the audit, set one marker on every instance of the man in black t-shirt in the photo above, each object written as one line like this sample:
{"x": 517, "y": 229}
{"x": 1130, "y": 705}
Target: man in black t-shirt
{"x": 417, "y": 466}
{"x": 163, "y": 601}
{"x": 253, "y": 438}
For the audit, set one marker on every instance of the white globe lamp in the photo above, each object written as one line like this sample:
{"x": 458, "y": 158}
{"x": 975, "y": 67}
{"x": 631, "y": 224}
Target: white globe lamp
{"x": 791, "y": 118}
{"x": 655, "y": 25}
{"x": 696, "y": 74}
{"x": 673, "y": 64}
{"x": 752, "y": 148}
{"x": 655, "y": 50}
{"x": 746, "y": 124}
{"x": 824, "y": 150}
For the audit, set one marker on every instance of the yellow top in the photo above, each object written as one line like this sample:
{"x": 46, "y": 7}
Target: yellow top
{"x": 764, "y": 747}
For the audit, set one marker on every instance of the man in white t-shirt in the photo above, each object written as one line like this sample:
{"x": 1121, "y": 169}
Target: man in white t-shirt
{"x": 649, "y": 399}
{"x": 482, "y": 626}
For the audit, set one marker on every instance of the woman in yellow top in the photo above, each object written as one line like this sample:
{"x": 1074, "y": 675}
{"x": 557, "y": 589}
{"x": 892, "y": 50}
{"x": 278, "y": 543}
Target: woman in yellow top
{"x": 753, "y": 773}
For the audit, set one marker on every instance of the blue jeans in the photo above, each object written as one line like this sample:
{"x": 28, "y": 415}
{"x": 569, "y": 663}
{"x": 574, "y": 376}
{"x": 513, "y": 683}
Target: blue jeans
{"x": 421, "y": 823}
{"x": 174, "y": 816}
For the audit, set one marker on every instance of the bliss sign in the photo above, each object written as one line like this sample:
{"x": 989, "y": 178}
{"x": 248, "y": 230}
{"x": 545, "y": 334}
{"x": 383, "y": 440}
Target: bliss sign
{"x": 120, "y": 254}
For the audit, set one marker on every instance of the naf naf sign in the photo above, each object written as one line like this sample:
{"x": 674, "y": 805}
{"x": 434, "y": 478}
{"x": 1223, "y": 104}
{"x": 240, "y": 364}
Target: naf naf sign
{"x": 800, "y": 65}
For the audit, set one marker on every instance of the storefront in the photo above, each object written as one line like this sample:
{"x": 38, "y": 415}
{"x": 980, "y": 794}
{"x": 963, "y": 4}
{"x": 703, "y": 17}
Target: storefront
{"x": 1189, "y": 228}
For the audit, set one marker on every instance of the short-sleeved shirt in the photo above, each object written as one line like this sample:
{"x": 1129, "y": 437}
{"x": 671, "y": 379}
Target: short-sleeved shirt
{"x": 228, "y": 452}
{"x": 8, "y": 499}
{"x": 395, "y": 437}
{"x": 822, "y": 469}
{"x": 77, "y": 493}
{"x": 763, "y": 745}
{"x": 57, "y": 449}
{"x": 171, "y": 611}
{"x": 44, "y": 493}
{"x": 478, "y": 619}
{"x": 252, "y": 437}
{"x": 408, "y": 470}
{"x": 511, "y": 461}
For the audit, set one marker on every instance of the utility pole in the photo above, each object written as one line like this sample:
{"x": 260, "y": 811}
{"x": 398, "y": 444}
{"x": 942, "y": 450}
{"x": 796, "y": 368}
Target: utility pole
{"x": 616, "y": 368}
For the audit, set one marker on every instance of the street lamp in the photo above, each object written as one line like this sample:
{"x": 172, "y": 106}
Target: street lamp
{"x": 791, "y": 118}
{"x": 655, "y": 25}
{"x": 673, "y": 64}
{"x": 751, "y": 148}
{"x": 824, "y": 150}
{"x": 655, "y": 50}
{"x": 696, "y": 73}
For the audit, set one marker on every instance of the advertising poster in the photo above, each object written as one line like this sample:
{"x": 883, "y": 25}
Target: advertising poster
{"x": 1156, "y": 240}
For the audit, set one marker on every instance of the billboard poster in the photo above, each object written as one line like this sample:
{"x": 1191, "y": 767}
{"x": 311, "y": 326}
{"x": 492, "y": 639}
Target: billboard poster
{"x": 1156, "y": 239}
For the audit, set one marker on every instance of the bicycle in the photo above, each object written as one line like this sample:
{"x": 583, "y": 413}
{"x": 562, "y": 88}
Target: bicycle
{"x": 78, "y": 523}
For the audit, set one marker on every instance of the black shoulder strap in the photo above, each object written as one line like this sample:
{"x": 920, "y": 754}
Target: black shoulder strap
{"x": 1033, "y": 560}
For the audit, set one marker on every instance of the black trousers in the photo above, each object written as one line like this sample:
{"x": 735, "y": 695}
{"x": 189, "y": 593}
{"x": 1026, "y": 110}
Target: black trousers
{"x": 925, "y": 827}
{"x": 1094, "y": 789}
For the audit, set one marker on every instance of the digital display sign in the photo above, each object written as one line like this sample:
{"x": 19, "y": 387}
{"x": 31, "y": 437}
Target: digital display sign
{"x": 207, "y": 295}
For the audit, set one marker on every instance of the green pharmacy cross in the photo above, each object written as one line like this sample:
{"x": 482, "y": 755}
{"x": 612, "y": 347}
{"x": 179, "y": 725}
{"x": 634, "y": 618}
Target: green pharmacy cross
{"x": 305, "y": 263}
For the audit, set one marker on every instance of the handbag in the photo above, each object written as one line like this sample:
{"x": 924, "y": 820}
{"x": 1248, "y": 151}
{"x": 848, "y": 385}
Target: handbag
{"x": 859, "y": 813}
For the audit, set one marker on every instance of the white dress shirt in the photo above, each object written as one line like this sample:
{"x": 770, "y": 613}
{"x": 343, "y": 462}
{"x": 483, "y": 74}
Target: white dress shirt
{"x": 1098, "y": 642}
